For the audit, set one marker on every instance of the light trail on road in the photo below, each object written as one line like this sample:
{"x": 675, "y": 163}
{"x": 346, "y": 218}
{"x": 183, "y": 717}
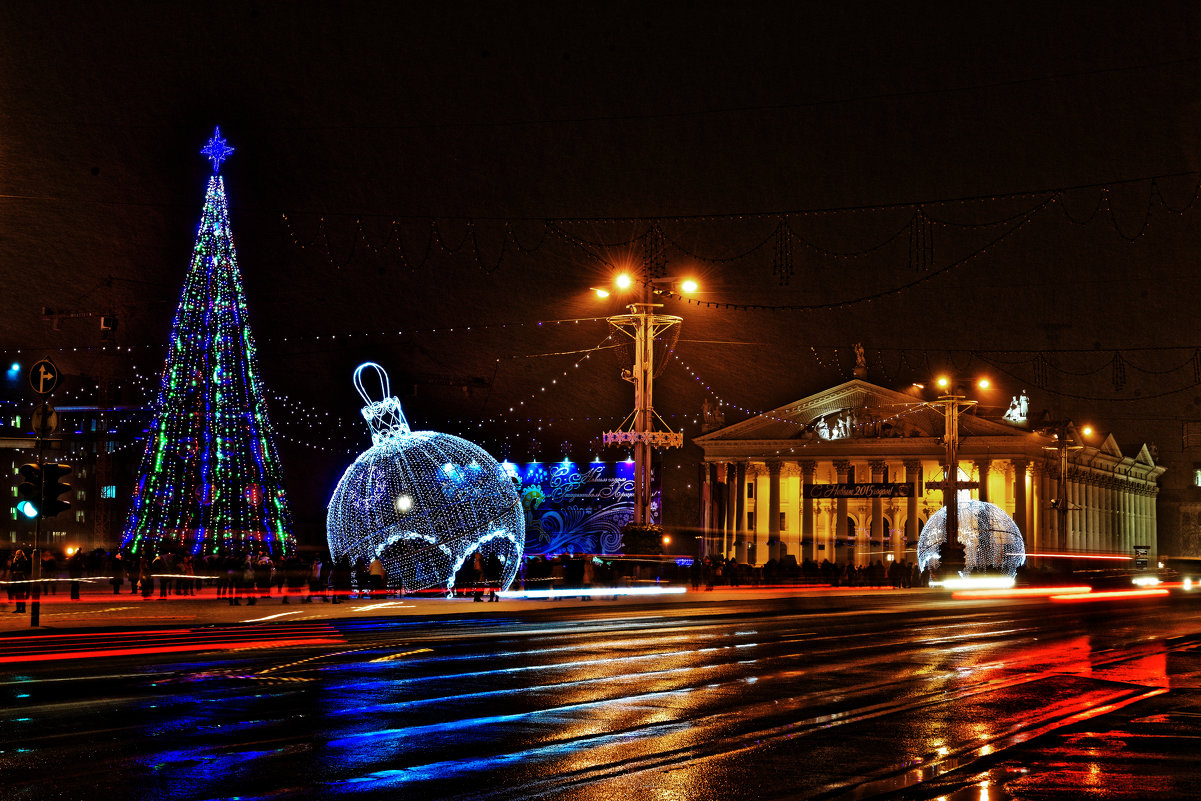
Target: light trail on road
{"x": 707, "y": 702}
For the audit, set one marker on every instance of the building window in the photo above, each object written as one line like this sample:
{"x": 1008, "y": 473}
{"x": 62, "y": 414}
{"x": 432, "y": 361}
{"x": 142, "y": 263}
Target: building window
{"x": 750, "y": 521}
{"x": 1192, "y": 434}
{"x": 82, "y": 495}
{"x": 783, "y": 521}
{"x": 1197, "y": 476}
{"x": 108, "y": 491}
{"x": 80, "y": 515}
{"x": 851, "y": 474}
{"x": 750, "y": 489}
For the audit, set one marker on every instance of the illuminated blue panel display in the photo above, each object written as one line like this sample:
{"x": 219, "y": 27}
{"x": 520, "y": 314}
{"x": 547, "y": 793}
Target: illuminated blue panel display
{"x": 579, "y": 508}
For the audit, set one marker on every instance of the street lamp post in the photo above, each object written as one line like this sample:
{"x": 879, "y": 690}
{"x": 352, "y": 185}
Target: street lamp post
{"x": 1060, "y": 431}
{"x": 641, "y": 431}
{"x": 952, "y": 557}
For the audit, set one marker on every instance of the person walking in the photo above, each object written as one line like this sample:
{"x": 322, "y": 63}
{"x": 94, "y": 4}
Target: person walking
{"x": 18, "y": 573}
{"x": 340, "y": 575}
{"x": 378, "y": 575}
{"x": 49, "y": 574}
{"x": 75, "y": 572}
{"x": 493, "y": 570}
{"x": 117, "y": 573}
{"x": 316, "y": 585}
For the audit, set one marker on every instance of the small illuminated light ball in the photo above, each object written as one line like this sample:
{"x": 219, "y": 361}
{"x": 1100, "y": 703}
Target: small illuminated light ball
{"x": 943, "y": 382}
{"x": 15, "y": 366}
{"x": 1087, "y": 431}
{"x": 984, "y": 383}
{"x": 624, "y": 281}
{"x": 424, "y": 503}
{"x": 688, "y": 286}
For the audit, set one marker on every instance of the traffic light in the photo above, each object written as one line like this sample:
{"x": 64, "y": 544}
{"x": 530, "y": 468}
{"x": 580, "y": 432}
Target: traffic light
{"x": 53, "y": 486}
{"x": 30, "y": 490}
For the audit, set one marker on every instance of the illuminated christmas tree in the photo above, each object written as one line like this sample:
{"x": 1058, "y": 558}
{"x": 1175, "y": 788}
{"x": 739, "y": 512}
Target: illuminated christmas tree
{"x": 210, "y": 480}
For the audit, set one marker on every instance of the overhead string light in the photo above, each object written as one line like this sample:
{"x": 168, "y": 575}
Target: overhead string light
{"x": 394, "y": 243}
{"x": 801, "y": 425}
{"x": 210, "y": 479}
{"x": 654, "y": 237}
{"x": 541, "y": 391}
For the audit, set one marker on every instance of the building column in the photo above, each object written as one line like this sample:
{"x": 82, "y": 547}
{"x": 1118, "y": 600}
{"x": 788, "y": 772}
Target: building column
{"x": 728, "y": 549}
{"x": 1095, "y": 514}
{"x": 713, "y": 523}
{"x": 773, "y": 509}
{"x": 808, "y": 533}
{"x": 740, "y": 531}
{"x": 1050, "y": 532}
{"x": 1019, "y": 495}
{"x": 1075, "y": 510}
{"x": 983, "y": 466}
{"x": 841, "y": 469}
{"x": 913, "y": 475}
{"x": 877, "y": 529}
{"x": 1038, "y": 518}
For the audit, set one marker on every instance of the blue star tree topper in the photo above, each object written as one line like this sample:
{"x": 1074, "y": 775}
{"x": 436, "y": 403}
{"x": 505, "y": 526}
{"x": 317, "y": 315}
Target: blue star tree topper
{"x": 216, "y": 149}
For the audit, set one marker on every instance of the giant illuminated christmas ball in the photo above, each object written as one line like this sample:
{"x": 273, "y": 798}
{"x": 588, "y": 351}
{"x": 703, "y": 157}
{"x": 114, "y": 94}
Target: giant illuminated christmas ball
{"x": 423, "y": 502}
{"x": 992, "y": 542}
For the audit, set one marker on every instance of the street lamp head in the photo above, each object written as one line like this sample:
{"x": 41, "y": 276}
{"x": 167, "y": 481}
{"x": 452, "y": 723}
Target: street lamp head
{"x": 624, "y": 281}
{"x": 688, "y": 286}
{"x": 1086, "y": 430}
{"x": 983, "y": 383}
{"x": 943, "y": 382}
{"x": 600, "y": 293}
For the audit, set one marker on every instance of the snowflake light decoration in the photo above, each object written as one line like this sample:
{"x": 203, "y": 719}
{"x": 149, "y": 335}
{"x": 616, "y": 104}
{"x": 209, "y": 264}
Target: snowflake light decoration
{"x": 991, "y": 540}
{"x": 423, "y": 502}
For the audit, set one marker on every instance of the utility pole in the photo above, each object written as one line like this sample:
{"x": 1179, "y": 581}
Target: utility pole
{"x": 643, "y": 325}
{"x": 1061, "y": 504}
{"x": 951, "y": 557}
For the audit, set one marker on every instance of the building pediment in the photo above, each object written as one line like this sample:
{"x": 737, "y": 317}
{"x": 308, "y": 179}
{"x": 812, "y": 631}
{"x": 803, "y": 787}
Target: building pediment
{"x": 854, "y": 410}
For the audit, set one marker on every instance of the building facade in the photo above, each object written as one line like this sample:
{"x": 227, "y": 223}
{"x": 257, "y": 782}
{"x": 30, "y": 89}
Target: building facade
{"x": 778, "y": 484}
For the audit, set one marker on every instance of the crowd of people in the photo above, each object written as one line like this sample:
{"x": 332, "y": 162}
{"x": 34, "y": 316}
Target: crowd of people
{"x": 899, "y": 574}
{"x": 250, "y": 576}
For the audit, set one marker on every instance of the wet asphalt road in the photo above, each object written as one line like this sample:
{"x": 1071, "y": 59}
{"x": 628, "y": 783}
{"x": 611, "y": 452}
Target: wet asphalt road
{"x": 907, "y": 695}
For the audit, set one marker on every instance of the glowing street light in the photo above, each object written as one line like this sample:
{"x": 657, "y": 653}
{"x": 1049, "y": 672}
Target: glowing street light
{"x": 1061, "y": 432}
{"x": 641, "y": 431}
{"x": 952, "y": 404}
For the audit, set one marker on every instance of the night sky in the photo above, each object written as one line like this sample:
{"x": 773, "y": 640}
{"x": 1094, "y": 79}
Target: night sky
{"x": 972, "y": 190}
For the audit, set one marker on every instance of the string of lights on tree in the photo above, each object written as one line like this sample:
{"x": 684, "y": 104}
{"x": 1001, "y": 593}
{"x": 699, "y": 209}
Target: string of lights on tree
{"x": 210, "y": 479}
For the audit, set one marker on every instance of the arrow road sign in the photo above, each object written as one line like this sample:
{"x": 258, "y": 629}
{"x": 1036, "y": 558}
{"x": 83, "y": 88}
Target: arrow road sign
{"x": 43, "y": 377}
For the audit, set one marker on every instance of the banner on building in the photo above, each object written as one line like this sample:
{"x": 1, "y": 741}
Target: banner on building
{"x": 865, "y": 490}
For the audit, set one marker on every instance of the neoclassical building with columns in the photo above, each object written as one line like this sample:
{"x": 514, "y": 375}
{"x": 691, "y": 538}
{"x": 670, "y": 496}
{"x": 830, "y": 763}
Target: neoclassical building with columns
{"x": 781, "y": 483}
